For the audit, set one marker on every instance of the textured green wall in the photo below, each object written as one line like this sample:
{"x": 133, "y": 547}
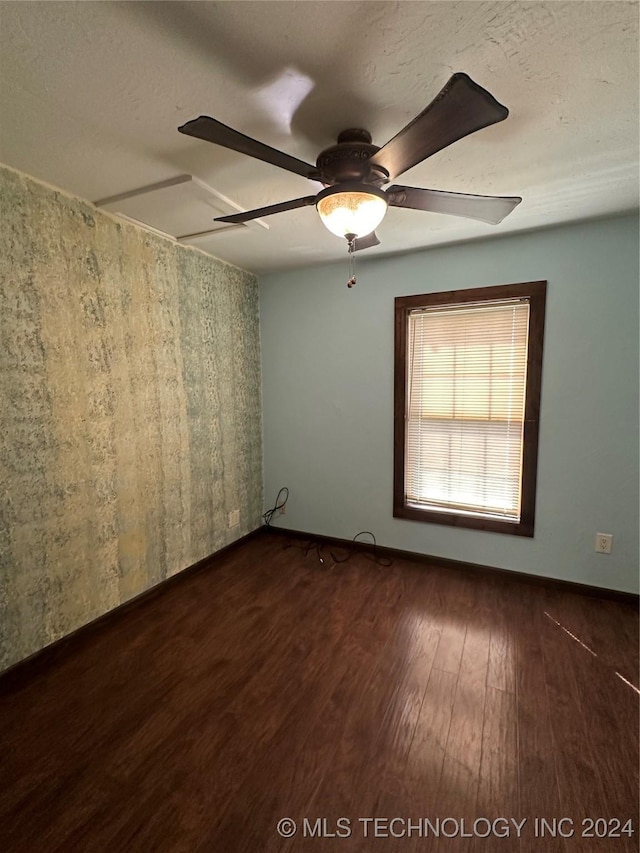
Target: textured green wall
{"x": 130, "y": 411}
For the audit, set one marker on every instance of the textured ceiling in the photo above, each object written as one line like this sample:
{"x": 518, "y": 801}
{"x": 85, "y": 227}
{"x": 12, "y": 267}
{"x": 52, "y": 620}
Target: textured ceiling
{"x": 91, "y": 94}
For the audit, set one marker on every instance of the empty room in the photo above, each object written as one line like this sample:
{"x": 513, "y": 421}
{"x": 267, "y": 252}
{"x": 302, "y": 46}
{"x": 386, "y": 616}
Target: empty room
{"x": 319, "y": 426}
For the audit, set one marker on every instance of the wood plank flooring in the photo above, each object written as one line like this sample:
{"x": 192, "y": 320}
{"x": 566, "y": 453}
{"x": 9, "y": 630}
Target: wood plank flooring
{"x": 270, "y": 685}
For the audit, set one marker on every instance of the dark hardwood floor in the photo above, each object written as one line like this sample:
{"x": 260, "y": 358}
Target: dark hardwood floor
{"x": 270, "y": 685}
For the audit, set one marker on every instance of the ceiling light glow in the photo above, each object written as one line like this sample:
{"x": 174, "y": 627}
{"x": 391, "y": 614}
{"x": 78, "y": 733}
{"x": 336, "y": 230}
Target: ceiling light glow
{"x": 351, "y": 210}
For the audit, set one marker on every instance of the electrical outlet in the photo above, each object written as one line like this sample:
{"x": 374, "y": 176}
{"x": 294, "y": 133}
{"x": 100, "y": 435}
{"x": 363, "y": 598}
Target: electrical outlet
{"x": 604, "y": 543}
{"x": 233, "y": 519}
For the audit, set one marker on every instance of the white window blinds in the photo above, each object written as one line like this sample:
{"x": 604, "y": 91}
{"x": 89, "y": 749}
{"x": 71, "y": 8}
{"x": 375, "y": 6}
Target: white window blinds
{"x": 466, "y": 383}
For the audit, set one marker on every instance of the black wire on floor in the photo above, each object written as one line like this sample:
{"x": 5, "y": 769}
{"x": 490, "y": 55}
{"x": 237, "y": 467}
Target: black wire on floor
{"x": 326, "y": 555}
{"x": 366, "y": 552}
{"x": 309, "y": 547}
{"x": 320, "y": 547}
{"x": 268, "y": 515}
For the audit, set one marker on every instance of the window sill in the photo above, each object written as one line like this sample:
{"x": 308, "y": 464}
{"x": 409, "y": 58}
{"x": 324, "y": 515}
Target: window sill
{"x": 452, "y": 519}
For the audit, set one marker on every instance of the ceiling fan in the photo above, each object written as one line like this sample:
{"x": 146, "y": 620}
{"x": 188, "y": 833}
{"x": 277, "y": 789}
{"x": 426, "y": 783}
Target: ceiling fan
{"x": 354, "y": 171}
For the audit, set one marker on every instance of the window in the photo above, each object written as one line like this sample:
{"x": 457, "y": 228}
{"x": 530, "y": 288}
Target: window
{"x": 468, "y": 369}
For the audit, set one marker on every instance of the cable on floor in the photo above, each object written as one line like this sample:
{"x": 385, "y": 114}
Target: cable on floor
{"x": 328, "y": 558}
{"x": 366, "y": 552}
{"x": 268, "y": 515}
{"x": 312, "y": 545}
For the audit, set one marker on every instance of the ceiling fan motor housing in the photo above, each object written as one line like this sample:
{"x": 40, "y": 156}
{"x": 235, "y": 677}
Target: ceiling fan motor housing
{"x": 348, "y": 160}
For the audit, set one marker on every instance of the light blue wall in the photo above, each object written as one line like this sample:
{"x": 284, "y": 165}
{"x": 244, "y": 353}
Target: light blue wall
{"x": 327, "y": 357}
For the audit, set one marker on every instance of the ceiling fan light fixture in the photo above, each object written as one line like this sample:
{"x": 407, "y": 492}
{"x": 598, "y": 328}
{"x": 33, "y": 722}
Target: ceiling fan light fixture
{"x": 353, "y": 209}
{"x": 352, "y": 171}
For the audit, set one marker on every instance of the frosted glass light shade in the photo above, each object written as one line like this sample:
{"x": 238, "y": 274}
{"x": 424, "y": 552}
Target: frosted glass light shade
{"x": 350, "y": 211}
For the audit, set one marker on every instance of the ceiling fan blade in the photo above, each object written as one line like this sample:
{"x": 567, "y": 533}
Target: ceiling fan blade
{"x": 210, "y": 130}
{"x": 247, "y": 215}
{"x": 461, "y": 108}
{"x": 486, "y": 208}
{"x": 366, "y": 242}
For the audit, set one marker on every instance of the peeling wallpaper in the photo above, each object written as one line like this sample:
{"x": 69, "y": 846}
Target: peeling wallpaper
{"x": 130, "y": 416}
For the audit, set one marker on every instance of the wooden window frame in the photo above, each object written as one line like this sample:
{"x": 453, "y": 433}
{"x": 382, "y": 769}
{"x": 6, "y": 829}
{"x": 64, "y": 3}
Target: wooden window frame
{"x": 535, "y": 292}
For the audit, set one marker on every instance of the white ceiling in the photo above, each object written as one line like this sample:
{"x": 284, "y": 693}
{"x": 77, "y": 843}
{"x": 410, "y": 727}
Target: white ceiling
{"x": 92, "y": 93}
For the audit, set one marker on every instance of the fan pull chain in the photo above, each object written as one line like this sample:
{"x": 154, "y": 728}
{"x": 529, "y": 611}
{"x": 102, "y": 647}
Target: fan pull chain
{"x": 351, "y": 241}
